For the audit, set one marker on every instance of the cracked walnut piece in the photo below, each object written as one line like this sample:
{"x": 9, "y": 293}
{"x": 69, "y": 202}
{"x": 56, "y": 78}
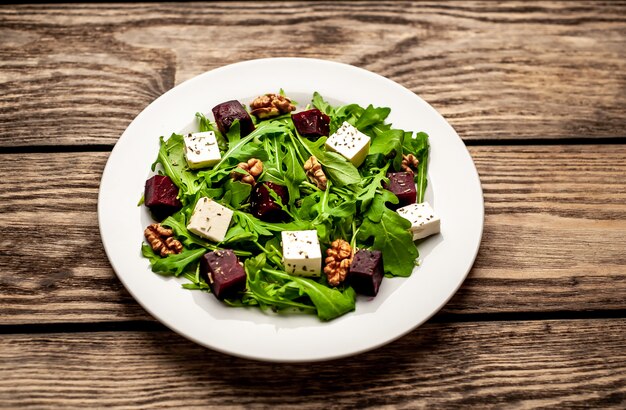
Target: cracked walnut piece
{"x": 315, "y": 173}
{"x": 253, "y": 169}
{"x": 271, "y": 105}
{"x": 338, "y": 261}
{"x": 162, "y": 241}
{"x": 410, "y": 163}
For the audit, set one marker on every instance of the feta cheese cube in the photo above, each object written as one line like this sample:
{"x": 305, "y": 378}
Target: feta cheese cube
{"x": 210, "y": 220}
{"x": 201, "y": 149}
{"x": 349, "y": 142}
{"x": 301, "y": 253}
{"x": 424, "y": 221}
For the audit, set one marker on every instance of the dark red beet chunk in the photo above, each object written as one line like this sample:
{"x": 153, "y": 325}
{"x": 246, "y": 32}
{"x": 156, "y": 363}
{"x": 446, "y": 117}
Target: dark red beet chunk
{"x": 264, "y": 206}
{"x": 403, "y": 186}
{"x": 160, "y": 195}
{"x": 227, "y": 112}
{"x": 366, "y": 272}
{"x": 312, "y": 123}
{"x": 222, "y": 271}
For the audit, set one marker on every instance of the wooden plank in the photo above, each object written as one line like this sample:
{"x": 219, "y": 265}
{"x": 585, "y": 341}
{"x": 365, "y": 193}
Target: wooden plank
{"x": 51, "y": 257}
{"x": 555, "y": 230}
{"x": 77, "y": 74}
{"x": 554, "y": 238}
{"x": 562, "y": 364}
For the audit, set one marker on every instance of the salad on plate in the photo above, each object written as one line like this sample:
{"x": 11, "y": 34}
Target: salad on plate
{"x": 289, "y": 210}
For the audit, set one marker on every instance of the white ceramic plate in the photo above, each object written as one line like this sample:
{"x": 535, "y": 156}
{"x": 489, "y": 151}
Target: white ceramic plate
{"x": 401, "y": 305}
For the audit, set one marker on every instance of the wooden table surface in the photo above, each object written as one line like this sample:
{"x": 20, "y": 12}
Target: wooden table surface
{"x": 536, "y": 90}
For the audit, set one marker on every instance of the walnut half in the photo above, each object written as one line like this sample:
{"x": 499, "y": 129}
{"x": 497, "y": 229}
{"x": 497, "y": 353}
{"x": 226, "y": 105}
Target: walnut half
{"x": 253, "y": 168}
{"x": 271, "y": 105}
{"x": 315, "y": 173}
{"x": 161, "y": 240}
{"x": 410, "y": 163}
{"x": 338, "y": 260}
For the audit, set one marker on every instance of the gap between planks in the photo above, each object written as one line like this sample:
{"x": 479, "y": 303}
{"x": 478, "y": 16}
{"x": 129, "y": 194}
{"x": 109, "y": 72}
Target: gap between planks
{"x": 154, "y": 326}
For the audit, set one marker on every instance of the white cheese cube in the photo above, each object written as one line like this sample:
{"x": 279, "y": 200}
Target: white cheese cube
{"x": 201, "y": 149}
{"x": 301, "y": 253}
{"x": 424, "y": 221}
{"x": 349, "y": 142}
{"x": 210, "y": 220}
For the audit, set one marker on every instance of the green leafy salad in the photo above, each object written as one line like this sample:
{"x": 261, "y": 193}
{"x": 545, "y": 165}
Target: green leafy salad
{"x": 288, "y": 210}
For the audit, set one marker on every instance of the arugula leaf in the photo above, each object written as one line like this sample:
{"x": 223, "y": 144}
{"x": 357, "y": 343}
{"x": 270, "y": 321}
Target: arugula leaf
{"x": 196, "y": 286}
{"x": 339, "y": 170}
{"x": 322, "y": 105}
{"x": 233, "y": 135}
{"x": 273, "y": 167}
{"x": 172, "y": 159}
{"x": 176, "y": 264}
{"x": 253, "y": 224}
{"x": 294, "y": 173}
{"x": 324, "y": 231}
{"x": 269, "y": 294}
{"x": 196, "y": 281}
{"x": 238, "y": 145}
{"x": 212, "y": 193}
{"x": 237, "y": 193}
{"x": 391, "y": 237}
{"x": 377, "y": 207}
{"x": 308, "y": 209}
{"x": 419, "y": 147}
{"x": 148, "y": 253}
{"x": 372, "y": 116}
{"x": 370, "y": 186}
{"x": 388, "y": 143}
{"x": 329, "y": 302}
{"x": 344, "y": 210}
{"x": 349, "y": 113}
{"x": 237, "y": 234}
{"x": 177, "y": 223}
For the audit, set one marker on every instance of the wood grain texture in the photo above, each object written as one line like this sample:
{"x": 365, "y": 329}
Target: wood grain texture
{"x": 554, "y": 237}
{"x": 558, "y": 364}
{"x": 78, "y": 74}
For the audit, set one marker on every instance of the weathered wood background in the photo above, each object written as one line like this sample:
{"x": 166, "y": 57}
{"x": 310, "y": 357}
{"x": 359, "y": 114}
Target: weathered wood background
{"x": 538, "y": 91}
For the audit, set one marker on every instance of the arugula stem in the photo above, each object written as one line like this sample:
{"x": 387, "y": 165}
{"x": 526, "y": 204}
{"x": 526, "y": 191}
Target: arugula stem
{"x": 292, "y": 138}
{"x": 261, "y": 247}
{"x": 421, "y": 178}
{"x": 342, "y": 191}
{"x": 355, "y": 232}
{"x": 276, "y": 157}
{"x": 307, "y": 184}
{"x": 275, "y": 250}
{"x": 270, "y": 255}
{"x": 325, "y": 199}
{"x": 306, "y": 148}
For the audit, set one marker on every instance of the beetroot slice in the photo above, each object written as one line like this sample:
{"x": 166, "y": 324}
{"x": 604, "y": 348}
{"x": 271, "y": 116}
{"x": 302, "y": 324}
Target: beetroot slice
{"x": 311, "y": 123}
{"x": 161, "y": 196}
{"x": 222, "y": 271}
{"x": 403, "y": 186}
{"x": 227, "y": 112}
{"x": 366, "y": 272}
{"x": 263, "y": 204}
